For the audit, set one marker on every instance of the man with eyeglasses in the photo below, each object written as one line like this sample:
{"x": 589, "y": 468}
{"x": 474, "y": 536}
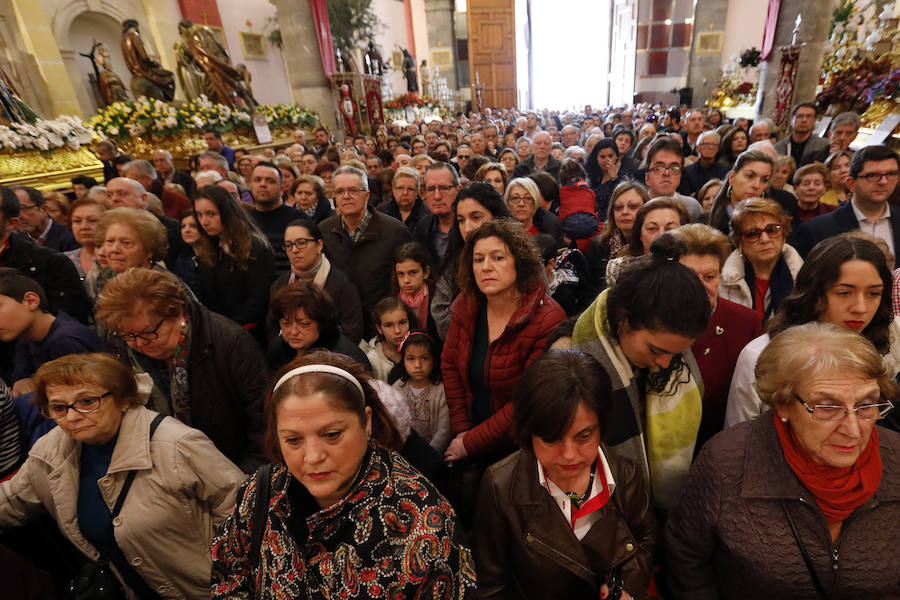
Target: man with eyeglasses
{"x": 37, "y": 222}
{"x": 361, "y": 241}
{"x": 664, "y": 164}
{"x": 441, "y": 187}
{"x": 874, "y": 173}
{"x": 696, "y": 174}
{"x": 802, "y": 144}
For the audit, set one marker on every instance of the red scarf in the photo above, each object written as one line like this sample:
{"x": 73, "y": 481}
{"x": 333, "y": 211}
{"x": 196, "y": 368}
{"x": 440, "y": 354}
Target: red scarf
{"x": 837, "y": 491}
{"x": 419, "y": 303}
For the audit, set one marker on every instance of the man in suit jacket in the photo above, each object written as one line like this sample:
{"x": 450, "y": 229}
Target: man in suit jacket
{"x": 174, "y": 204}
{"x": 874, "y": 173}
{"x": 802, "y": 144}
{"x": 37, "y": 223}
{"x": 167, "y": 173}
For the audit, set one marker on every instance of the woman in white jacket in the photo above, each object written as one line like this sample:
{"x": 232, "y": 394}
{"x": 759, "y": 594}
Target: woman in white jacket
{"x": 183, "y": 487}
{"x": 761, "y": 272}
{"x": 845, "y": 281}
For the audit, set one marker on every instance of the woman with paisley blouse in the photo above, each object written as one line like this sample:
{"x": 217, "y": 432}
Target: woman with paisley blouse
{"x": 346, "y": 516}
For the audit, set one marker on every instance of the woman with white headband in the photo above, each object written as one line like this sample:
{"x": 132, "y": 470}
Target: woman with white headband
{"x": 338, "y": 511}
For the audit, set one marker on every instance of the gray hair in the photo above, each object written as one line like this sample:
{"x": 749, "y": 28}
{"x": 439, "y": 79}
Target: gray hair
{"x": 574, "y": 152}
{"x": 454, "y": 176}
{"x": 351, "y": 170}
{"x": 213, "y": 176}
{"x": 406, "y": 172}
{"x": 96, "y": 191}
{"x": 140, "y": 167}
{"x": 707, "y": 134}
{"x": 220, "y": 160}
{"x": 529, "y": 186}
{"x": 847, "y": 118}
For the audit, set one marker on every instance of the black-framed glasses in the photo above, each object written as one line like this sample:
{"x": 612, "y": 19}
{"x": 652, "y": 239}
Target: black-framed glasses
{"x": 57, "y": 411}
{"x": 772, "y": 230}
{"x": 147, "y": 336}
{"x": 876, "y": 177}
{"x": 835, "y": 412}
{"x": 299, "y": 244}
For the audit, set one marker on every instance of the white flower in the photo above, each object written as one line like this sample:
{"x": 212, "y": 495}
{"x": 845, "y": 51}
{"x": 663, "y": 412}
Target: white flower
{"x": 197, "y": 121}
{"x": 113, "y": 131}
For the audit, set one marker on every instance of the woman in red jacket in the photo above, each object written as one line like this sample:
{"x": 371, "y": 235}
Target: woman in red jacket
{"x": 498, "y": 325}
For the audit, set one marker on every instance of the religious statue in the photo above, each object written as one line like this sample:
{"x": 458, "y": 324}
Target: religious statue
{"x": 12, "y": 108}
{"x": 191, "y": 78}
{"x": 247, "y": 77}
{"x": 374, "y": 62}
{"x": 409, "y": 72}
{"x": 348, "y": 111}
{"x": 111, "y": 86}
{"x": 224, "y": 83}
{"x": 342, "y": 63}
{"x": 149, "y": 78}
{"x": 425, "y": 71}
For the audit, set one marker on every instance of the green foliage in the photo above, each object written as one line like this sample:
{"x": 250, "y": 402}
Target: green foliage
{"x": 841, "y": 14}
{"x": 352, "y": 22}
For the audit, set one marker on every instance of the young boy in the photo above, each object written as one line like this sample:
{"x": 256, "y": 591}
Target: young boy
{"x": 40, "y": 336}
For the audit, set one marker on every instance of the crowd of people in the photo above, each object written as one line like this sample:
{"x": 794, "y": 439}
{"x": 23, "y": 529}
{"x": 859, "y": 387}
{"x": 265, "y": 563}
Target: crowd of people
{"x": 636, "y": 352}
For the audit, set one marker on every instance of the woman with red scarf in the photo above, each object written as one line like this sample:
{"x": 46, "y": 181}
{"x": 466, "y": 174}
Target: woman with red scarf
{"x": 803, "y": 501}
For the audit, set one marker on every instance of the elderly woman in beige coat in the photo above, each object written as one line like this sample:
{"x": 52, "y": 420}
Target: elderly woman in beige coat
{"x": 183, "y": 487}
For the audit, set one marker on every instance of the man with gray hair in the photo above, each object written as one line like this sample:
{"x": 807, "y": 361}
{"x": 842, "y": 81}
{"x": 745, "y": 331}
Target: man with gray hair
{"x": 575, "y": 152}
{"x": 762, "y": 130}
{"x": 165, "y": 168}
{"x": 143, "y": 172}
{"x": 540, "y": 159}
{"x": 361, "y": 241}
{"x": 128, "y": 192}
{"x": 843, "y": 131}
{"x": 707, "y": 167}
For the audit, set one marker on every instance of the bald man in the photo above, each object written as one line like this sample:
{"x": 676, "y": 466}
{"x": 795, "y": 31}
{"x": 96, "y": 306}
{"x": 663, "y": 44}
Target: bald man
{"x": 540, "y": 159}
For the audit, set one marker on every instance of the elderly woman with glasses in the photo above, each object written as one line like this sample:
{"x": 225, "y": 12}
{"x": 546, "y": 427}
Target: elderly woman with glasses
{"x": 805, "y": 499}
{"x": 203, "y": 368}
{"x": 760, "y": 273}
{"x": 182, "y": 487}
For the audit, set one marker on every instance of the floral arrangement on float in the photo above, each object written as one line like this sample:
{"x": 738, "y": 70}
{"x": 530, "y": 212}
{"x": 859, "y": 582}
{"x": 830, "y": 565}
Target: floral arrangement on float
{"x": 738, "y": 81}
{"x": 410, "y": 99}
{"x": 45, "y": 135}
{"x": 851, "y": 89}
{"x": 143, "y": 124}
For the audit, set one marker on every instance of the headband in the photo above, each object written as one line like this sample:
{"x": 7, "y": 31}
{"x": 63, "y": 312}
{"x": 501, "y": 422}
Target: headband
{"x": 320, "y": 369}
{"x": 409, "y": 334}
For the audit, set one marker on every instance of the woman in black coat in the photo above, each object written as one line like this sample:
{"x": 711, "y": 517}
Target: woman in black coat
{"x": 235, "y": 265}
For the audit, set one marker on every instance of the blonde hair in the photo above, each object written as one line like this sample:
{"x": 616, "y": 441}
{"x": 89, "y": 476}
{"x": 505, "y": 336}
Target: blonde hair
{"x": 756, "y": 206}
{"x": 704, "y": 240}
{"x": 802, "y": 351}
{"x": 147, "y": 228}
{"x": 156, "y": 294}
{"x": 98, "y": 369}
{"x": 529, "y": 186}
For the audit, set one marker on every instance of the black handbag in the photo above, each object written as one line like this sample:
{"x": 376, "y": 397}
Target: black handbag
{"x": 96, "y": 580}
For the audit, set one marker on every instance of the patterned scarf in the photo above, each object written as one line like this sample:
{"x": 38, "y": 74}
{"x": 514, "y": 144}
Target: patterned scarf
{"x": 418, "y": 302}
{"x": 672, "y": 415}
{"x": 179, "y": 388}
{"x": 317, "y": 274}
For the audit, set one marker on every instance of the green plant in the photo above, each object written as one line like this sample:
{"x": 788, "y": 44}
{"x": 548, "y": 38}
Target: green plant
{"x": 352, "y": 22}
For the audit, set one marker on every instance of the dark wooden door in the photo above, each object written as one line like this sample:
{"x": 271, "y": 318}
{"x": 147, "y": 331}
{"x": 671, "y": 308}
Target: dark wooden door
{"x": 492, "y": 49}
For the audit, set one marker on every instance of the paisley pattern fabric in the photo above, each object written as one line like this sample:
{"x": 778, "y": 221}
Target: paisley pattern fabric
{"x": 391, "y": 536}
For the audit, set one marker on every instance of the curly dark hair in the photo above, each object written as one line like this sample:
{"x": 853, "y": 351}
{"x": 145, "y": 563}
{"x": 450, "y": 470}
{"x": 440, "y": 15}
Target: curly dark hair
{"x": 315, "y": 302}
{"x": 529, "y": 268}
{"x": 820, "y": 272}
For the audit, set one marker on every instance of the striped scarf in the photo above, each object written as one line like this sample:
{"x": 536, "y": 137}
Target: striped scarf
{"x": 672, "y": 415}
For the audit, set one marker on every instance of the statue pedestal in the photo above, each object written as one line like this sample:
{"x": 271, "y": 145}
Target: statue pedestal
{"x": 48, "y": 171}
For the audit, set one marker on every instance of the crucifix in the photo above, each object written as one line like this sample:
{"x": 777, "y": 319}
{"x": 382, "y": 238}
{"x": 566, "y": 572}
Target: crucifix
{"x": 796, "y": 29}
{"x": 204, "y": 15}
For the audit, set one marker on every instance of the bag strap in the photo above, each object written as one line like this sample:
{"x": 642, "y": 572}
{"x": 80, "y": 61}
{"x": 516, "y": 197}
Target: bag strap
{"x": 260, "y": 512}
{"x": 820, "y": 591}
{"x": 132, "y": 578}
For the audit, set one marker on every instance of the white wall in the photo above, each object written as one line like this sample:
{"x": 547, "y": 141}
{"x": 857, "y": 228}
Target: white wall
{"x": 744, "y": 28}
{"x": 392, "y": 14}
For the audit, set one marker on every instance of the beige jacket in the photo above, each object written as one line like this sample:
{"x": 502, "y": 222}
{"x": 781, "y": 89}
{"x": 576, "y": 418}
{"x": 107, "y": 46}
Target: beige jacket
{"x": 183, "y": 490}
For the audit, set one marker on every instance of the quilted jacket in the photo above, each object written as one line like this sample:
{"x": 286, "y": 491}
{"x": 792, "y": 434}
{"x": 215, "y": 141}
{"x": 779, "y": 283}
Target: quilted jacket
{"x": 728, "y": 536}
{"x": 523, "y": 340}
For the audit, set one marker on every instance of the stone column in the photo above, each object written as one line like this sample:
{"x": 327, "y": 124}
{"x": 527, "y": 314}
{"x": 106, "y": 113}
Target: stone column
{"x": 812, "y": 34}
{"x": 309, "y": 85}
{"x": 440, "y": 15}
{"x": 703, "y": 73}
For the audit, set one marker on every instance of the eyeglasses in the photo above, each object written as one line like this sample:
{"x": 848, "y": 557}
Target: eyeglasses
{"x": 299, "y": 244}
{"x": 26, "y": 207}
{"x": 441, "y": 188}
{"x": 660, "y": 169}
{"x": 147, "y": 336}
{"x": 520, "y": 200}
{"x": 348, "y": 191}
{"x": 82, "y": 405}
{"x": 403, "y": 188}
{"x": 771, "y": 230}
{"x": 876, "y": 177}
{"x": 831, "y": 412}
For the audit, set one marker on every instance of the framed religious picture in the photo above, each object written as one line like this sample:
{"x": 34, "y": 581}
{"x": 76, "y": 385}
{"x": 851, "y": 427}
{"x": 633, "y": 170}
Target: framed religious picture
{"x": 709, "y": 42}
{"x": 253, "y": 44}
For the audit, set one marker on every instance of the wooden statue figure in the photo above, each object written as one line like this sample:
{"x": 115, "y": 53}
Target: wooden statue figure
{"x": 149, "y": 78}
{"x": 191, "y": 78}
{"x": 374, "y": 63}
{"x": 224, "y": 83}
{"x": 111, "y": 86}
{"x": 409, "y": 72}
{"x": 425, "y": 72}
